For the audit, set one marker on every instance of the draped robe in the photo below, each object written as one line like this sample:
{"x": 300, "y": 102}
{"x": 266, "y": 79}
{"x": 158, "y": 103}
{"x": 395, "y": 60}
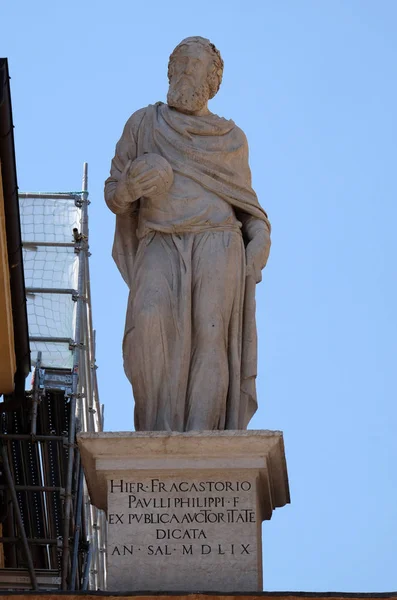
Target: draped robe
{"x": 212, "y": 152}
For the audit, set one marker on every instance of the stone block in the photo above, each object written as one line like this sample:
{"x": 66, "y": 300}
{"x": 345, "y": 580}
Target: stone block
{"x": 185, "y": 509}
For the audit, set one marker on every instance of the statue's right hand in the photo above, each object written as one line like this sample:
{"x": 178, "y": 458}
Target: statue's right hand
{"x": 142, "y": 183}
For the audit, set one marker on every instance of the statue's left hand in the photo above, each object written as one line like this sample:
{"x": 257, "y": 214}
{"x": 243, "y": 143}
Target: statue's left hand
{"x": 257, "y": 253}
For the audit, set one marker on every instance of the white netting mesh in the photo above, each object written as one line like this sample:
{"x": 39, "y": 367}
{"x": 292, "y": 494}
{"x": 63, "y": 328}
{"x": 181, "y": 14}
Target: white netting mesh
{"x": 47, "y": 220}
{"x": 48, "y": 266}
{"x": 50, "y": 315}
{"x": 55, "y": 355}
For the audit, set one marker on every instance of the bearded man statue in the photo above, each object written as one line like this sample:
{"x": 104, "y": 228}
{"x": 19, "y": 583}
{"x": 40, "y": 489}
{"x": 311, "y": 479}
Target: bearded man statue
{"x": 191, "y": 251}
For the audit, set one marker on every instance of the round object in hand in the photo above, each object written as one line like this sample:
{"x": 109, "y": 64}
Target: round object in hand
{"x": 160, "y": 164}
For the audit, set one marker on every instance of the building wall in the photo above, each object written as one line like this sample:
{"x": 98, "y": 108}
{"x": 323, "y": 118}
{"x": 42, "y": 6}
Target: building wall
{"x": 7, "y": 352}
{"x": 204, "y": 596}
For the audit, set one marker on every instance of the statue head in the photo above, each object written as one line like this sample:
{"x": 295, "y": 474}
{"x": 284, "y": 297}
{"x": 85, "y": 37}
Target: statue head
{"x": 195, "y": 73}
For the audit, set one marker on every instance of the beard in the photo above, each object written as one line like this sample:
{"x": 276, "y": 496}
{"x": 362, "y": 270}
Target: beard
{"x": 187, "y": 98}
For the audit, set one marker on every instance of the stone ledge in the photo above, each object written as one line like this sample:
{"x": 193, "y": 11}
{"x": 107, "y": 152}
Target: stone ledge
{"x": 102, "y": 453}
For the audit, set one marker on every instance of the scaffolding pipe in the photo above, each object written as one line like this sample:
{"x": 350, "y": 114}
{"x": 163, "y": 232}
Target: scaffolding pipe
{"x": 32, "y": 541}
{"x": 96, "y": 527}
{"x": 76, "y": 361}
{"x": 76, "y": 540}
{"x": 21, "y": 528}
{"x": 37, "y": 290}
{"x": 85, "y": 363}
{"x": 102, "y": 550}
{"x": 50, "y": 195}
{"x": 87, "y": 566}
{"x": 33, "y": 438}
{"x": 28, "y": 244}
{"x": 68, "y": 489}
{"x": 82, "y": 378}
{"x": 36, "y": 394}
{"x": 55, "y": 340}
{"x": 86, "y": 372}
{"x": 95, "y": 384}
{"x": 92, "y": 349}
{"x": 35, "y": 488}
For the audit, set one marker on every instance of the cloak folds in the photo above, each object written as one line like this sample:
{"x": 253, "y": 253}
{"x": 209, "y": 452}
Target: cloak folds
{"x": 213, "y": 152}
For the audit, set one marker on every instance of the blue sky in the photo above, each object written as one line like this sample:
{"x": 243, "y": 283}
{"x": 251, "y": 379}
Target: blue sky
{"x": 313, "y": 85}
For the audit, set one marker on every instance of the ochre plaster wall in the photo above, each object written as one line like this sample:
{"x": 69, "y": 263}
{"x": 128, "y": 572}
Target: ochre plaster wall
{"x": 7, "y": 352}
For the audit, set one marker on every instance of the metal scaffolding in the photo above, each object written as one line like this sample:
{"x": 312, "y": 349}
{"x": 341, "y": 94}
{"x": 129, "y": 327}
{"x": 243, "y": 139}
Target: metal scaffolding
{"x": 50, "y": 531}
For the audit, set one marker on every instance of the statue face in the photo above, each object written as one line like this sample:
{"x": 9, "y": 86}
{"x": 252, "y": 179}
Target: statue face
{"x": 189, "y": 90}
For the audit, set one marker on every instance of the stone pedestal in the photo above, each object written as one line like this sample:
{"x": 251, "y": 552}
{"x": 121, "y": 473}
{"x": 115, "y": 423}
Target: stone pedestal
{"x": 185, "y": 509}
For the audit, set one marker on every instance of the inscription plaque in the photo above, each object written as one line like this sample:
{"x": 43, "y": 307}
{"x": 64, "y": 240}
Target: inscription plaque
{"x": 184, "y": 528}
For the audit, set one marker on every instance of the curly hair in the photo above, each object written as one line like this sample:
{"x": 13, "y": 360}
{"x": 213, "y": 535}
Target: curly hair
{"x": 216, "y": 71}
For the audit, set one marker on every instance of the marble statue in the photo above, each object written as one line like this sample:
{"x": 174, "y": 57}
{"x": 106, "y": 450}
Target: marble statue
{"x": 191, "y": 240}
